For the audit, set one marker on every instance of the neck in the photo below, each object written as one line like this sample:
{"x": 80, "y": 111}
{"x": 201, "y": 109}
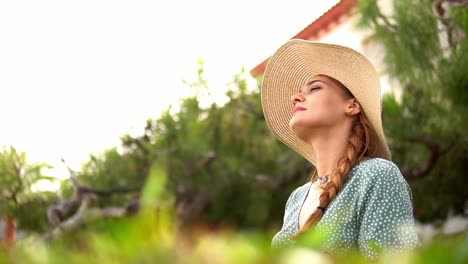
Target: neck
{"x": 329, "y": 148}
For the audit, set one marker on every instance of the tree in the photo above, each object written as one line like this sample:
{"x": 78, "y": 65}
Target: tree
{"x": 18, "y": 203}
{"x": 223, "y": 165}
{"x": 426, "y": 52}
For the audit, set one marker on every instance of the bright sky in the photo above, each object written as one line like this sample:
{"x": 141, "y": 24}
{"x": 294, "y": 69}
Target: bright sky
{"x": 77, "y": 75}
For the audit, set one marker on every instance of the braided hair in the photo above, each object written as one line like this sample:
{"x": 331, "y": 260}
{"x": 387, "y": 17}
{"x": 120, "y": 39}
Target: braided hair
{"x": 359, "y": 145}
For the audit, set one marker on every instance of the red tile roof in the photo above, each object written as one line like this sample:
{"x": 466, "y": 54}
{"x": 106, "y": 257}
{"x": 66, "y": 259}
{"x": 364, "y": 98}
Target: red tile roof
{"x": 318, "y": 28}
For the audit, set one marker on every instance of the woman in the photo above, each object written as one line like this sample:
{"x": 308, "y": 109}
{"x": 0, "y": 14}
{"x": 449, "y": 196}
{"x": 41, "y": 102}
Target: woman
{"x": 323, "y": 101}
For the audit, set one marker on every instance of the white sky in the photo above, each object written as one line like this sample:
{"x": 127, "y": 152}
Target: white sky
{"x": 77, "y": 75}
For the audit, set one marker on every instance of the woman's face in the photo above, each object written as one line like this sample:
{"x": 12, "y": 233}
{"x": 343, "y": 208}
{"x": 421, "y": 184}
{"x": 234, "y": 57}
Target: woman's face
{"x": 319, "y": 106}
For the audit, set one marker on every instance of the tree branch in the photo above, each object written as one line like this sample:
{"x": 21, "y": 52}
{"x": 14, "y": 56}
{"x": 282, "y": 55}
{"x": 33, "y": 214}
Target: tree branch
{"x": 382, "y": 20}
{"x": 429, "y": 164}
{"x": 85, "y": 214}
{"x": 83, "y": 189}
{"x": 100, "y": 192}
{"x": 81, "y": 199}
{"x": 12, "y": 196}
{"x": 71, "y": 223}
{"x": 386, "y": 22}
{"x": 208, "y": 158}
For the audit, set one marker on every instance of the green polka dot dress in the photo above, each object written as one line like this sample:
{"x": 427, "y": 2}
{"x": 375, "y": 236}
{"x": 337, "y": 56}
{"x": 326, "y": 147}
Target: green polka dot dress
{"x": 374, "y": 208}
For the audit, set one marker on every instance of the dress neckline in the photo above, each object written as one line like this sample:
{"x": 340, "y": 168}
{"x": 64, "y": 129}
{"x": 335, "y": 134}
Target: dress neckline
{"x": 298, "y": 226}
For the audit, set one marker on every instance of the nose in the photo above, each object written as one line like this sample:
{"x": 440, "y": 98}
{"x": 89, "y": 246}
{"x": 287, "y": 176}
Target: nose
{"x": 297, "y": 98}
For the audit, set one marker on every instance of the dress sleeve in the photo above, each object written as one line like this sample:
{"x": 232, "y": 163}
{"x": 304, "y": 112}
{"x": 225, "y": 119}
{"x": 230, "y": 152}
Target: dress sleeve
{"x": 385, "y": 217}
{"x": 288, "y": 208}
{"x": 283, "y": 237}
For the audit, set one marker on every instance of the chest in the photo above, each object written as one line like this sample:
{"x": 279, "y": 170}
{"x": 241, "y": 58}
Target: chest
{"x": 310, "y": 203}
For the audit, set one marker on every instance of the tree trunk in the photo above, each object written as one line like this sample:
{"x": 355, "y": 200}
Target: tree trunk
{"x": 9, "y": 230}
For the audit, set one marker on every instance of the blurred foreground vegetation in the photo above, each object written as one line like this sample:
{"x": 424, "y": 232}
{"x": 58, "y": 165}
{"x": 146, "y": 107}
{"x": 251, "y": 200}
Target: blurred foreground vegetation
{"x": 151, "y": 237}
{"x": 140, "y": 240}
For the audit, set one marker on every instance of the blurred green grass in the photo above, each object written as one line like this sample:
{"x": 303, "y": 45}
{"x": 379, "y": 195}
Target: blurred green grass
{"x": 149, "y": 238}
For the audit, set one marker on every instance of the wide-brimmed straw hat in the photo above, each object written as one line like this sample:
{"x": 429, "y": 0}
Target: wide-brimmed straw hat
{"x": 294, "y": 63}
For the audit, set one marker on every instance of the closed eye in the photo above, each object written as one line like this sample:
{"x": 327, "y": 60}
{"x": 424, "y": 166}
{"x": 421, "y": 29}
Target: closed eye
{"x": 314, "y": 89}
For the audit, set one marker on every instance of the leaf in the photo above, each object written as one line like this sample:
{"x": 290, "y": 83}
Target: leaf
{"x": 154, "y": 190}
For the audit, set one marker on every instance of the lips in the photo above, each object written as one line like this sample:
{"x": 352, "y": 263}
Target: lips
{"x": 299, "y": 108}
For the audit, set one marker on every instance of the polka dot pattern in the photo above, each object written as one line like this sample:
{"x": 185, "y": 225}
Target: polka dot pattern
{"x": 373, "y": 210}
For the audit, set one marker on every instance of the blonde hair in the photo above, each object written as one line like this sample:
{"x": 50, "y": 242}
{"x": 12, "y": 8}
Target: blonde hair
{"x": 359, "y": 145}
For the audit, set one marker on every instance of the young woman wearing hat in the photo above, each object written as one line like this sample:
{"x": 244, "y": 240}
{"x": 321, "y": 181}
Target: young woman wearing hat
{"x": 324, "y": 101}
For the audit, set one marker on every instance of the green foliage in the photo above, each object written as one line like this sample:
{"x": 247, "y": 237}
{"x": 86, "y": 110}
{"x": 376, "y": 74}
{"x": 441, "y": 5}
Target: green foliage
{"x": 155, "y": 193}
{"x": 112, "y": 168}
{"x": 17, "y": 176}
{"x": 412, "y": 37}
{"x": 427, "y": 55}
{"x": 453, "y": 71}
{"x": 31, "y": 213}
{"x": 223, "y": 153}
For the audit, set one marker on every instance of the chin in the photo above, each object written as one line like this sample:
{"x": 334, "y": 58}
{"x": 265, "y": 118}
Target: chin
{"x": 300, "y": 130}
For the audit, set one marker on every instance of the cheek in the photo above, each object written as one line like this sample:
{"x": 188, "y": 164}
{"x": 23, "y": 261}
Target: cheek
{"x": 324, "y": 111}
{"x": 326, "y": 101}
{"x": 330, "y": 106}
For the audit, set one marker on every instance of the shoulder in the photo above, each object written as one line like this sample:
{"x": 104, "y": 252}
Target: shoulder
{"x": 376, "y": 174}
{"x": 376, "y": 164}
{"x": 377, "y": 169}
{"x": 378, "y": 177}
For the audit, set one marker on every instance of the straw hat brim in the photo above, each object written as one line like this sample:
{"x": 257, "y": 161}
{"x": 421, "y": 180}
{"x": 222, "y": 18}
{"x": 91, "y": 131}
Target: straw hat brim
{"x": 296, "y": 62}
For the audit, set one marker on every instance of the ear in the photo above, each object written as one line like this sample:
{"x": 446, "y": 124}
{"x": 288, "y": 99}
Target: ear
{"x": 352, "y": 107}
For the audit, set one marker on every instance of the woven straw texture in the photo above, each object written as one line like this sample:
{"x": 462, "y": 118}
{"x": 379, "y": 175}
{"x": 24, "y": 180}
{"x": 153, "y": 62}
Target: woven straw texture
{"x": 296, "y": 62}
